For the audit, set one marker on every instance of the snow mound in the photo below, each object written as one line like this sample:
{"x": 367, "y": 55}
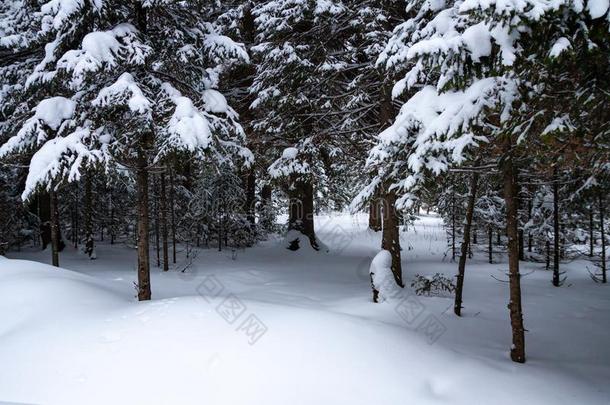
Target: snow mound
{"x": 382, "y": 278}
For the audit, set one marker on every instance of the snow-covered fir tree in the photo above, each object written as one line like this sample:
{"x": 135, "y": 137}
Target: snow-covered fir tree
{"x": 125, "y": 83}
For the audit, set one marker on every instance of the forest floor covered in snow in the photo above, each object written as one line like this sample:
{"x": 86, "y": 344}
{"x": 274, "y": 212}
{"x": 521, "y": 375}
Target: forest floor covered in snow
{"x": 267, "y": 325}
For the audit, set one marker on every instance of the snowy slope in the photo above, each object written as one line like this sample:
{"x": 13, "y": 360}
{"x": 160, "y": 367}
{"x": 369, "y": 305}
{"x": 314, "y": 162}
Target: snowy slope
{"x": 70, "y": 338}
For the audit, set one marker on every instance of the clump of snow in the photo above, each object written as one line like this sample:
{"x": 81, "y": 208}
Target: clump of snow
{"x": 598, "y": 8}
{"x": 124, "y": 91}
{"x": 104, "y": 48}
{"x": 49, "y": 113}
{"x": 559, "y": 46}
{"x": 382, "y": 278}
{"x": 290, "y": 153}
{"x": 188, "y": 127}
{"x": 61, "y": 157}
{"x": 53, "y": 111}
{"x": 214, "y": 101}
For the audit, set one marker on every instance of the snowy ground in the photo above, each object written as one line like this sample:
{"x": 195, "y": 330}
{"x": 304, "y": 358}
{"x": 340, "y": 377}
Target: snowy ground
{"x": 277, "y": 327}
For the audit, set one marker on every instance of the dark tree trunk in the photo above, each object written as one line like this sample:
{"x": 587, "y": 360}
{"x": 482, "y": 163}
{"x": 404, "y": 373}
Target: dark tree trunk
{"x": 529, "y": 234}
{"x": 490, "y": 244}
{"x": 301, "y": 212}
{"x": 453, "y": 226}
{"x": 55, "y": 235}
{"x": 390, "y": 239}
{"x": 457, "y": 306}
{"x": 591, "y": 237}
{"x": 157, "y": 224}
{"x": 163, "y": 201}
{"x": 89, "y": 243}
{"x": 266, "y": 192}
{"x": 602, "y": 236}
{"x": 112, "y": 229}
{"x": 172, "y": 210}
{"x": 375, "y": 214}
{"x": 250, "y": 196}
{"x": 548, "y": 254}
{"x": 76, "y": 222}
{"x": 43, "y": 202}
{"x": 521, "y": 245}
{"x": 143, "y": 251}
{"x": 266, "y": 216}
{"x": 556, "y": 236}
{"x": 517, "y": 351}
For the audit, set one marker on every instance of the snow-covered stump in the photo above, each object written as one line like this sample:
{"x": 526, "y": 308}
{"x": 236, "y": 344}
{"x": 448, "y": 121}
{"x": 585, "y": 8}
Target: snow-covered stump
{"x": 382, "y": 279}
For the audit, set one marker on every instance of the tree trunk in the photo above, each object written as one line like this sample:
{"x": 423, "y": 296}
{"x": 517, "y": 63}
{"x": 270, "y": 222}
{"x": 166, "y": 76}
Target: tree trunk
{"x": 55, "y": 236}
{"x": 457, "y": 306}
{"x": 76, "y": 224}
{"x": 157, "y": 224}
{"x": 591, "y": 237}
{"x": 517, "y": 351}
{"x": 89, "y": 243}
{"x": 453, "y": 226}
{"x": 602, "y": 236}
{"x": 375, "y": 214}
{"x": 548, "y": 254}
{"x": 143, "y": 253}
{"x": 490, "y": 244}
{"x": 521, "y": 245}
{"x": 556, "y": 281}
{"x": 164, "y": 224}
{"x": 390, "y": 239}
{"x": 172, "y": 213}
{"x": 301, "y": 212}
{"x": 250, "y": 196}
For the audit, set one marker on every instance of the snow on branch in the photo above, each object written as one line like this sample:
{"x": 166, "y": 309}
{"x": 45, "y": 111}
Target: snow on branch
{"x": 125, "y": 91}
{"x": 49, "y": 117}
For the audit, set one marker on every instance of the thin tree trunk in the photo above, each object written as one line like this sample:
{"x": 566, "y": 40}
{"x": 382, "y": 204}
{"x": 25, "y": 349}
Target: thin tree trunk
{"x": 548, "y": 254}
{"x": 54, "y": 208}
{"x": 602, "y": 236}
{"x": 157, "y": 226}
{"x": 143, "y": 250}
{"x": 453, "y": 226}
{"x": 490, "y": 244}
{"x": 390, "y": 239}
{"x": 89, "y": 243}
{"x": 529, "y": 234}
{"x": 457, "y": 306}
{"x": 556, "y": 281}
{"x": 172, "y": 213}
{"x": 76, "y": 224}
{"x": 112, "y": 229}
{"x": 517, "y": 351}
{"x": 164, "y": 224}
{"x": 250, "y": 196}
{"x": 591, "y": 237}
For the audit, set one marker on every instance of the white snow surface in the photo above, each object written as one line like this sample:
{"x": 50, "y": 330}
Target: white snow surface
{"x": 382, "y": 277}
{"x": 79, "y": 336}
